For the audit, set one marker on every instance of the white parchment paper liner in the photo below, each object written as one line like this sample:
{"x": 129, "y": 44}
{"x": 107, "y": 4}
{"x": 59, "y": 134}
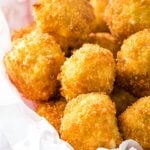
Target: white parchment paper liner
{"x": 20, "y": 127}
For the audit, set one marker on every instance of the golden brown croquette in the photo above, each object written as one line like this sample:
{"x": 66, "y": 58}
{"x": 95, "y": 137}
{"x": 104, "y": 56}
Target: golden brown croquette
{"x": 70, "y": 19}
{"x": 89, "y": 122}
{"x": 135, "y": 122}
{"x": 89, "y": 69}
{"x": 33, "y": 65}
{"x": 133, "y": 67}
{"x": 127, "y": 17}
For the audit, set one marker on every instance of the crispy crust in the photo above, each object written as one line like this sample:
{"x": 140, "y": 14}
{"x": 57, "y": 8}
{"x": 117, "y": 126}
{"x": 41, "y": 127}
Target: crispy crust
{"x": 133, "y": 67}
{"x": 105, "y": 40}
{"x": 33, "y": 65}
{"x": 28, "y": 29}
{"x": 23, "y": 31}
{"x": 127, "y": 17}
{"x": 52, "y": 111}
{"x": 138, "y": 85}
{"x": 89, "y": 69}
{"x": 89, "y": 122}
{"x": 73, "y": 19}
{"x": 135, "y": 122}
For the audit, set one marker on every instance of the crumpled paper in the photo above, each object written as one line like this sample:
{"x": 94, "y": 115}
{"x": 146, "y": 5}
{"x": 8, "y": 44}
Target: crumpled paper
{"x": 20, "y": 127}
{"x": 21, "y": 9}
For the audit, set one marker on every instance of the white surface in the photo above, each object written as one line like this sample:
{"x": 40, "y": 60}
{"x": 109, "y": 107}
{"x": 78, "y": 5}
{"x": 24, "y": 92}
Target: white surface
{"x": 21, "y": 9}
{"x": 25, "y": 130}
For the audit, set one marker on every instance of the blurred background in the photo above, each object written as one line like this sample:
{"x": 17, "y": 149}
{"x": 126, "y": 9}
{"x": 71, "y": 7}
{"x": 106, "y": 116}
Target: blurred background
{"x": 17, "y": 12}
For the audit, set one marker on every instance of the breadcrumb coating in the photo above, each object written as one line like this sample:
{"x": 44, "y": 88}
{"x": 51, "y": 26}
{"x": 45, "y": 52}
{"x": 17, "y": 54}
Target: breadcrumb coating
{"x": 33, "y": 65}
{"x": 105, "y": 40}
{"x": 89, "y": 69}
{"x": 133, "y": 67}
{"x": 71, "y": 19}
{"x": 127, "y": 17}
{"x": 89, "y": 122}
{"x": 135, "y": 122}
{"x": 32, "y": 28}
{"x": 52, "y": 111}
{"x": 23, "y": 31}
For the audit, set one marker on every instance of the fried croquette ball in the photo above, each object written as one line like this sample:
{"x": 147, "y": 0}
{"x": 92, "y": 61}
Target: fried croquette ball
{"x": 122, "y": 99}
{"x": 52, "y": 111}
{"x": 23, "y": 31}
{"x": 133, "y": 67}
{"x": 99, "y": 8}
{"x": 135, "y": 122}
{"x": 28, "y": 29}
{"x": 89, "y": 69}
{"x": 105, "y": 40}
{"x": 33, "y": 65}
{"x": 127, "y": 17}
{"x": 89, "y": 122}
{"x": 71, "y": 19}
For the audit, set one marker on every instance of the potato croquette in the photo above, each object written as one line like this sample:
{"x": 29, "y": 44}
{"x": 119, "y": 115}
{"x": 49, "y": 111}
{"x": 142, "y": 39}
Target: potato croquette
{"x": 135, "y": 122}
{"x": 33, "y": 65}
{"x": 89, "y": 122}
{"x": 133, "y": 67}
{"x": 127, "y": 17}
{"x": 105, "y": 40}
{"x": 99, "y": 8}
{"x": 71, "y": 19}
{"x": 89, "y": 69}
{"x": 28, "y": 29}
{"x": 23, "y": 31}
{"x": 122, "y": 99}
{"x": 52, "y": 111}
